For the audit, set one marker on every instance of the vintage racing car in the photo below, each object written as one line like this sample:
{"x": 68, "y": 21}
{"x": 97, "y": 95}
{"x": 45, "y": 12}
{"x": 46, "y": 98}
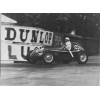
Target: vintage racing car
{"x": 50, "y": 54}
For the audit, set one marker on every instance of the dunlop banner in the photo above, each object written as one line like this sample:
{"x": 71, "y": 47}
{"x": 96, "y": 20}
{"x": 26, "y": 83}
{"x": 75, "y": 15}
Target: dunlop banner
{"x": 26, "y": 34}
{"x": 15, "y": 52}
{"x": 16, "y": 41}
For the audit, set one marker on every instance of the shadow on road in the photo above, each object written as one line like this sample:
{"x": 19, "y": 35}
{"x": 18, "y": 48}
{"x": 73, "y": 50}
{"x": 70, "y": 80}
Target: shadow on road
{"x": 27, "y": 65}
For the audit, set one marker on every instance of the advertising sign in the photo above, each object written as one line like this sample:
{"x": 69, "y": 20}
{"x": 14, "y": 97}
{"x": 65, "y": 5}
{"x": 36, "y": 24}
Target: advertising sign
{"x": 15, "y": 52}
{"x": 16, "y": 41}
{"x": 26, "y": 34}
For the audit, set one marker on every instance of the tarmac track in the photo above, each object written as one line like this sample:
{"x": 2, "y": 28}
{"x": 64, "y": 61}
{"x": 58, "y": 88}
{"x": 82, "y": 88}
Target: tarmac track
{"x": 72, "y": 74}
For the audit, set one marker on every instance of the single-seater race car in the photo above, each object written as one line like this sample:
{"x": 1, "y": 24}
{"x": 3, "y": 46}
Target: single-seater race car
{"x": 50, "y": 54}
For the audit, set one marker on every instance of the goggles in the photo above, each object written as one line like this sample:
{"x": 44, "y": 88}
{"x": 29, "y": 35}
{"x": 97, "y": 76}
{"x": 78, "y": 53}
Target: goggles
{"x": 67, "y": 40}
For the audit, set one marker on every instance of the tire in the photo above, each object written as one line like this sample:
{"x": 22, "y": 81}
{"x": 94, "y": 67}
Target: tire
{"x": 48, "y": 57}
{"x": 29, "y": 59}
{"x": 82, "y": 57}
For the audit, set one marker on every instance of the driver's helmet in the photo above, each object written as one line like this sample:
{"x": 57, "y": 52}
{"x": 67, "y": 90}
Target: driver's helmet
{"x": 67, "y": 39}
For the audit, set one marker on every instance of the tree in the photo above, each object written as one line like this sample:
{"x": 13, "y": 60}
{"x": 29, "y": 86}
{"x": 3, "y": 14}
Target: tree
{"x": 85, "y": 24}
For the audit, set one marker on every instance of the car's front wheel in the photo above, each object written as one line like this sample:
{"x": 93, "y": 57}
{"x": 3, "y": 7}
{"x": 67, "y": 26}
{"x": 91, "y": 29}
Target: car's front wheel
{"x": 82, "y": 57}
{"x": 48, "y": 57}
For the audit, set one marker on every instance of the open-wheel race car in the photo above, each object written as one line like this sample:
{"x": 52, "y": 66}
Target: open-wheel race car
{"x": 50, "y": 54}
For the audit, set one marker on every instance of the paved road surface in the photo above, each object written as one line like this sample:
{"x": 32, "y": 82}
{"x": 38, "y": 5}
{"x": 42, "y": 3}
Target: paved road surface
{"x": 71, "y": 74}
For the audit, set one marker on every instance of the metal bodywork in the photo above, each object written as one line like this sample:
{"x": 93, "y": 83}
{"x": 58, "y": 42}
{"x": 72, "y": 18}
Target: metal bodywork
{"x": 59, "y": 53}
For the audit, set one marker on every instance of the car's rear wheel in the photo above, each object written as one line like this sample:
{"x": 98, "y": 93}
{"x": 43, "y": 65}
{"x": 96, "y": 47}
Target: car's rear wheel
{"x": 48, "y": 58}
{"x": 30, "y": 59}
{"x": 82, "y": 57}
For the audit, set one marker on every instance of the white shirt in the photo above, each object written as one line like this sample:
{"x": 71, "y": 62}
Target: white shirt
{"x": 68, "y": 45}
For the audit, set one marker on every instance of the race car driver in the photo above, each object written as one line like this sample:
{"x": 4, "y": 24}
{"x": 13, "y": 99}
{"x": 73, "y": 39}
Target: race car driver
{"x": 68, "y": 43}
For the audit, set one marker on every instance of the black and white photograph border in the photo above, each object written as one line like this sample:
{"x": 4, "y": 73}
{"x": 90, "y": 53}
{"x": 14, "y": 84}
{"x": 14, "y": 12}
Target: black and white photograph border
{"x": 24, "y": 73}
{"x": 50, "y": 49}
